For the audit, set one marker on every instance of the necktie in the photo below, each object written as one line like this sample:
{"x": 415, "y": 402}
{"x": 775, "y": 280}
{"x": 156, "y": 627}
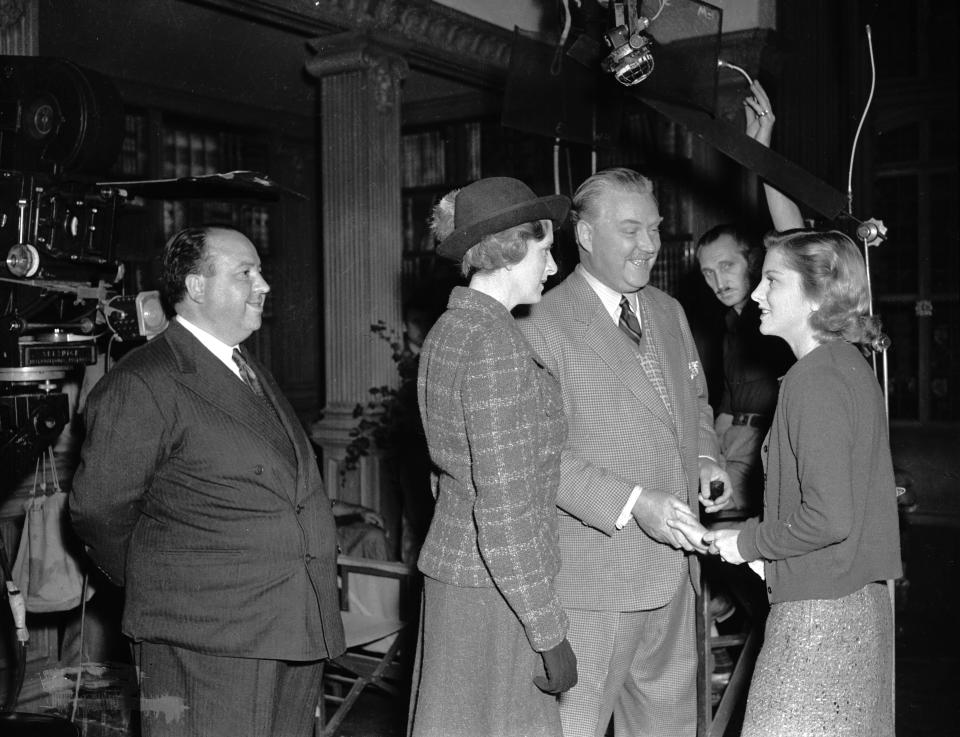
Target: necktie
{"x": 246, "y": 373}
{"x": 628, "y": 321}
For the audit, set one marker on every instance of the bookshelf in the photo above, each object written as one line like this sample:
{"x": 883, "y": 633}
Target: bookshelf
{"x": 434, "y": 160}
{"x": 160, "y": 145}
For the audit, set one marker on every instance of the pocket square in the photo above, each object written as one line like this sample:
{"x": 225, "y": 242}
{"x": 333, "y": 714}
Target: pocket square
{"x": 694, "y": 367}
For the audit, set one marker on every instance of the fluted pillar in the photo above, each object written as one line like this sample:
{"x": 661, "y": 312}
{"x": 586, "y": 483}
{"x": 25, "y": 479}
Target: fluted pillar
{"x": 359, "y": 84}
{"x": 19, "y": 27}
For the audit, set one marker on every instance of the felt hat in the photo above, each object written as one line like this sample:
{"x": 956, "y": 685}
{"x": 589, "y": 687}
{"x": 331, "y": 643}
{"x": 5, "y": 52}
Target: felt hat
{"x": 490, "y": 205}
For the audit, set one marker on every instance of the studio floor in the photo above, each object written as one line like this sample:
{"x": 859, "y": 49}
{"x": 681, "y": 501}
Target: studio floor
{"x": 928, "y": 647}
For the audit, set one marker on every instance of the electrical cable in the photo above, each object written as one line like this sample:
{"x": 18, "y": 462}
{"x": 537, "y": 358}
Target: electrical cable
{"x": 663, "y": 4}
{"x": 863, "y": 117}
{"x": 734, "y": 67}
{"x": 558, "y": 54}
{"x": 556, "y": 165}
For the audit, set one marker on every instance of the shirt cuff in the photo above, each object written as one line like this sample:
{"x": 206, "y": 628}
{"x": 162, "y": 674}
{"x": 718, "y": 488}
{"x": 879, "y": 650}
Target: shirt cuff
{"x": 709, "y": 458}
{"x": 627, "y": 512}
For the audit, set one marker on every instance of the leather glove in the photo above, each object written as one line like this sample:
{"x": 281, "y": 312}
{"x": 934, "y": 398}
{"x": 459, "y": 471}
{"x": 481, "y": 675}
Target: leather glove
{"x": 560, "y": 666}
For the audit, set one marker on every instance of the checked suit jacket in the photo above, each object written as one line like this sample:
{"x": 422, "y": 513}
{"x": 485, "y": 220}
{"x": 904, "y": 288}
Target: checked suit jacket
{"x": 621, "y": 434}
{"x": 206, "y": 502}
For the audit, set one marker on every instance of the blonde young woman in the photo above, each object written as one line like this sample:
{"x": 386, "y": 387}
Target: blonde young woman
{"x": 828, "y": 538}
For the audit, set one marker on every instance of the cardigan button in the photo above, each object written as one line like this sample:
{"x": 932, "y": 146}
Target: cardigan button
{"x": 769, "y": 589}
{"x": 258, "y": 469}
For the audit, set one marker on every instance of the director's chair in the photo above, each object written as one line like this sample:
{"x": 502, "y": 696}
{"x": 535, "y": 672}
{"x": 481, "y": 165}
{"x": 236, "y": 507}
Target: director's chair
{"x": 375, "y": 600}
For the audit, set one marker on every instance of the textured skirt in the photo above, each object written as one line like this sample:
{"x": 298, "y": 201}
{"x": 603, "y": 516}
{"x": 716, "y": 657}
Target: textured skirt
{"x": 826, "y": 668}
{"x": 473, "y": 675}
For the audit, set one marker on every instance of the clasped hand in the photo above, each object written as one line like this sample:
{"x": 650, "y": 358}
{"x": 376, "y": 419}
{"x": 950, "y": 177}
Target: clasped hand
{"x": 724, "y": 544}
{"x": 668, "y": 520}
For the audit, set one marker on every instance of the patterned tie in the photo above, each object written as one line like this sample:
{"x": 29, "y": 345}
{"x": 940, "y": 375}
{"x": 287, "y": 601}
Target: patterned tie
{"x": 628, "y": 321}
{"x": 246, "y": 373}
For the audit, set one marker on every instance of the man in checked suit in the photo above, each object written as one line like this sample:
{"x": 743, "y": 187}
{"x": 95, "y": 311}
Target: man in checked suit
{"x": 199, "y": 492}
{"x": 640, "y": 448}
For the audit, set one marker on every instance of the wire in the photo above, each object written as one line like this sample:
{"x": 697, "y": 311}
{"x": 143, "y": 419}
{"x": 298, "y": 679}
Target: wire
{"x": 557, "y": 62}
{"x": 734, "y": 67}
{"x": 556, "y": 165}
{"x": 863, "y": 117}
{"x": 663, "y": 4}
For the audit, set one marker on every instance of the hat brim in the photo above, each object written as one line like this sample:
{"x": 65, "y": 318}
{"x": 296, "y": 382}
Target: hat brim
{"x": 553, "y": 208}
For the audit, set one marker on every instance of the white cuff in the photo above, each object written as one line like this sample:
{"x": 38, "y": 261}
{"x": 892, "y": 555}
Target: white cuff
{"x": 627, "y": 512}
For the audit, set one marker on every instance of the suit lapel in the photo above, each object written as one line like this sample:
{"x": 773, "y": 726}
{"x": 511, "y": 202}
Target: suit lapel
{"x": 289, "y": 421}
{"x": 601, "y": 335}
{"x": 205, "y": 375}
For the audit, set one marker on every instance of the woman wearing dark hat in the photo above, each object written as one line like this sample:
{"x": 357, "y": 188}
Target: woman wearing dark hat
{"x": 492, "y": 652}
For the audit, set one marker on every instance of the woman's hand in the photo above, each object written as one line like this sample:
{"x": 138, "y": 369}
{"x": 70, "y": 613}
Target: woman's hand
{"x": 760, "y": 118}
{"x": 724, "y": 544}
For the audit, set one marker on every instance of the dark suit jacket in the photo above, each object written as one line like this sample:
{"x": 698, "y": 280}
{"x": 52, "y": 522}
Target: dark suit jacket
{"x": 620, "y": 434}
{"x": 207, "y": 503}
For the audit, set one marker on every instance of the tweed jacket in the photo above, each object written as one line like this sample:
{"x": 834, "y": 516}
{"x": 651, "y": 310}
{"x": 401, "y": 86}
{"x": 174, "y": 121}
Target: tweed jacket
{"x": 207, "y": 503}
{"x": 620, "y": 435}
{"x": 494, "y": 423}
{"x": 830, "y": 504}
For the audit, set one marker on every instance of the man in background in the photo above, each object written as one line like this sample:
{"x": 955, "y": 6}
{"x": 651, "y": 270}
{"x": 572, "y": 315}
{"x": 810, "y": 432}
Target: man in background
{"x": 752, "y": 363}
{"x": 199, "y": 492}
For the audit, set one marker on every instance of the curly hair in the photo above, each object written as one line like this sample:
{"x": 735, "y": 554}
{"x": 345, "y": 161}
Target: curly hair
{"x": 833, "y": 274}
{"x": 494, "y": 251}
{"x": 501, "y": 249}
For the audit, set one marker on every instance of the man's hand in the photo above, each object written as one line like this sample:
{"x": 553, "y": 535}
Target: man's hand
{"x": 668, "y": 520}
{"x": 711, "y": 471}
{"x": 724, "y": 544}
{"x": 560, "y": 666}
{"x": 693, "y": 531}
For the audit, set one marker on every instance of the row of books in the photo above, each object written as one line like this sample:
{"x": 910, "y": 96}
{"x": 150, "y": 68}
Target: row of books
{"x": 133, "y": 160}
{"x": 423, "y": 157}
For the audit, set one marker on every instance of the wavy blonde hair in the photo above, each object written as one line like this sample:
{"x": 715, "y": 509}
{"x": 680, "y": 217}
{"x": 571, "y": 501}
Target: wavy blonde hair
{"x": 833, "y": 274}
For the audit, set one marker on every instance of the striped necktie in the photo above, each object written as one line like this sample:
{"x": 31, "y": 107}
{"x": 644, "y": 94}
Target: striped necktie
{"x": 246, "y": 373}
{"x": 628, "y": 321}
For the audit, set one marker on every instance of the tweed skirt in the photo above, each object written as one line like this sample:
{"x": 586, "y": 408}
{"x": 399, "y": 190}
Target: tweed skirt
{"x": 473, "y": 675}
{"x": 826, "y": 668}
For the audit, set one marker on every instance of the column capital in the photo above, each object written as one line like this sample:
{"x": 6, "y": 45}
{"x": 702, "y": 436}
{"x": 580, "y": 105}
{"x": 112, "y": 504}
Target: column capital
{"x": 355, "y": 51}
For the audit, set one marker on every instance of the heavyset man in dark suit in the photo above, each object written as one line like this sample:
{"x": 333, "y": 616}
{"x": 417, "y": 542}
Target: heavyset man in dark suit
{"x": 640, "y": 446}
{"x": 199, "y": 492}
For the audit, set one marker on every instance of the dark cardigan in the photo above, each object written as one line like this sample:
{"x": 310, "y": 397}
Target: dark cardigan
{"x": 830, "y": 509}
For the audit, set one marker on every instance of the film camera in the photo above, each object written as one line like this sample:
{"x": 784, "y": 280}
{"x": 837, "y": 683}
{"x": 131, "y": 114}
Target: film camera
{"x": 59, "y": 280}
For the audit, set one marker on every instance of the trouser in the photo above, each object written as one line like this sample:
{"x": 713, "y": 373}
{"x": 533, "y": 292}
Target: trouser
{"x": 639, "y": 667}
{"x": 184, "y": 693}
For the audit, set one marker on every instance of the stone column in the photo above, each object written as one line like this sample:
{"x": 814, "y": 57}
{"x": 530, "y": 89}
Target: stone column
{"x": 19, "y": 27}
{"x": 361, "y": 225}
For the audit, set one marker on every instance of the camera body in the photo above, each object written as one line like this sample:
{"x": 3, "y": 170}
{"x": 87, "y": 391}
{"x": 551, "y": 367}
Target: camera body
{"x": 59, "y": 126}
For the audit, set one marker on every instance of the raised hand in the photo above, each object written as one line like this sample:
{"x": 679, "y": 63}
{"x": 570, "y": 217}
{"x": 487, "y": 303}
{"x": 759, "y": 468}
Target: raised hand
{"x": 759, "y": 113}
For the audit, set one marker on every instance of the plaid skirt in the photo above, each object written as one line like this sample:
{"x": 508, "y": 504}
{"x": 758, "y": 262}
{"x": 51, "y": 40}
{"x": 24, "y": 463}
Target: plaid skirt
{"x": 473, "y": 675}
{"x": 826, "y": 668}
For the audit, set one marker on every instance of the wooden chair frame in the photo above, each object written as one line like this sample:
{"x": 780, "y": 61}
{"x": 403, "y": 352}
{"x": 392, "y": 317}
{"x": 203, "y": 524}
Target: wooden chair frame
{"x": 384, "y": 666}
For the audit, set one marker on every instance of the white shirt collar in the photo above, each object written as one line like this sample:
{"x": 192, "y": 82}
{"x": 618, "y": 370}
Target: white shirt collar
{"x": 609, "y": 297}
{"x": 216, "y": 346}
